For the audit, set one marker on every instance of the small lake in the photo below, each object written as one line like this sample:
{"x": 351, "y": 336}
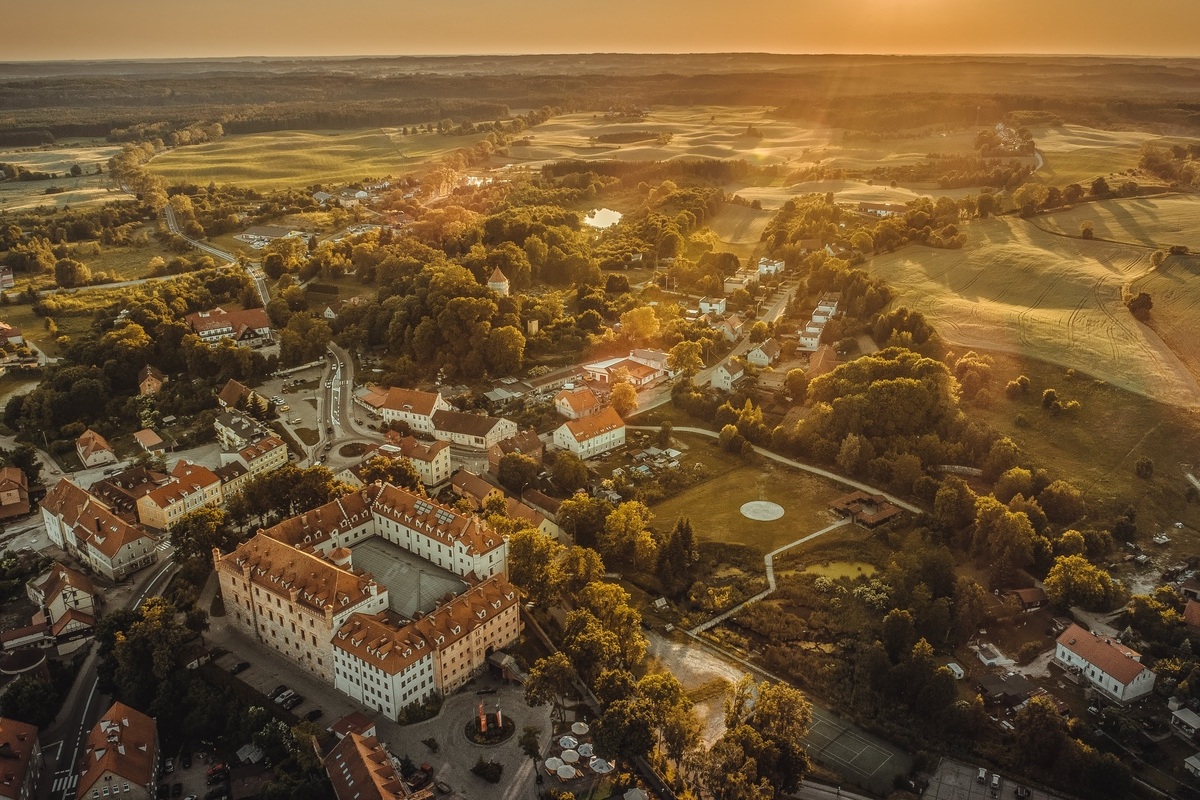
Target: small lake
{"x": 841, "y": 569}
{"x": 602, "y": 218}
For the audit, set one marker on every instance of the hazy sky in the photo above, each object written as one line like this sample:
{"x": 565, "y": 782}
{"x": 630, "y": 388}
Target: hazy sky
{"x": 87, "y": 29}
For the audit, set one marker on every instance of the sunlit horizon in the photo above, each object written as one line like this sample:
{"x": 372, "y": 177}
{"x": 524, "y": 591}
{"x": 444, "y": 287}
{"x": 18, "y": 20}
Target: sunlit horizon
{"x": 139, "y": 30}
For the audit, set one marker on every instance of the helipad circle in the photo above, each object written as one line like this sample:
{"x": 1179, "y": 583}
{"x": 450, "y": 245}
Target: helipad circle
{"x": 762, "y": 510}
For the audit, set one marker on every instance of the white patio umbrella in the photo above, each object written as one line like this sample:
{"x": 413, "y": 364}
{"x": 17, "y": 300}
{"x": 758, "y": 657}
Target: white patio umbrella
{"x": 568, "y": 742}
{"x": 553, "y": 763}
{"x": 585, "y": 750}
{"x": 600, "y": 766}
{"x": 579, "y": 728}
{"x": 634, "y": 794}
{"x": 570, "y": 756}
{"x": 566, "y": 772}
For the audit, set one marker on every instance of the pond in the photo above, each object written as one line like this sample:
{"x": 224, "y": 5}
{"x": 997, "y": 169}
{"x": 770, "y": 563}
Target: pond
{"x": 841, "y": 569}
{"x": 602, "y": 218}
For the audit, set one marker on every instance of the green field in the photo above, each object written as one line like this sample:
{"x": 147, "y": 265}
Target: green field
{"x": 85, "y": 189}
{"x": 1018, "y": 289}
{"x": 1078, "y": 154}
{"x": 1160, "y": 221}
{"x": 713, "y": 506}
{"x": 302, "y": 158}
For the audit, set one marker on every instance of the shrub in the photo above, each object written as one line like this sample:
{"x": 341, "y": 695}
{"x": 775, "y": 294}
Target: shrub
{"x": 490, "y": 771}
{"x": 1086, "y": 231}
{"x": 1144, "y": 468}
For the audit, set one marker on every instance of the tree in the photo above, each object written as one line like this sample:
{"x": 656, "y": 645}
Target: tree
{"x": 639, "y": 325}
{"x": 580, "y": 566}
{"x": 664, "y": 434}
{"x": 625, "y": 537}
{"x": 686, "y": 358}
{"x": 1086, "y": 230}
{"x": 1144, "y": 468}
{"x": 795, "y": 384}
{"x": 1062, "y": 502}
{"x": 1140, "y": 305}
{"x": 517, "y": 471}
{"x": 550, "y": 680}
{"x": 505, "y": 350}
{"x": 32, "y": 699}
{"x": 530, "y": 742}
{"x": 569, "y": 473}
{"x": 399, "y": 471}
{"x": 624, "y": 399}
{"x": 759, "y": 332}
{"x": 583, "y": 516}
{"x": 533, "y": 565}
{"x": 1013, "y": 482}
{"x": 69, "y": 273}
{"x": 625, "y": 730}
{"x": 1074, "y": 581}
{"x": 1040, "y": 732}
{"x": 198, "y": 532}
{"x": 1100, "y": 188}
{"x": 676, "y": 557}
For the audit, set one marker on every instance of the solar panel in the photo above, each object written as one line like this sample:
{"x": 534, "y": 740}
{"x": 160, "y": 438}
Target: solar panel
{"x": 444, "y": 517}
{"x": 422, "y": 507}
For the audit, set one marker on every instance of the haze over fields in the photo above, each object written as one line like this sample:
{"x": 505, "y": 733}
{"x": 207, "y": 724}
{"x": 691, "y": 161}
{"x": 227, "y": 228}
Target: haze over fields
{"x": 137, "y": 29}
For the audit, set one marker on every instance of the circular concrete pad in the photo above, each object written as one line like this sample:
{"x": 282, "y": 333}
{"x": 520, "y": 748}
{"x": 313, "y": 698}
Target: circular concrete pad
{"x": 762, "y": 510}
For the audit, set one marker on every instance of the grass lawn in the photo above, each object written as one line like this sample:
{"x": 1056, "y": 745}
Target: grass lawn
{"x": 34, "y": 327}
{"x": 714, "y": 506}
{"x": 1098, "y": 448}
{"x": 1017, "y": 288}
{"x": 1157, "y": 221}
{"x": 284, "y": 159}
{"x": 59, "y": 158}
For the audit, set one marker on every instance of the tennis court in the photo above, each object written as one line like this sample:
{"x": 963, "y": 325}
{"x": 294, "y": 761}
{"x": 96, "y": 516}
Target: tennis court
{"x": 862, "y": 758}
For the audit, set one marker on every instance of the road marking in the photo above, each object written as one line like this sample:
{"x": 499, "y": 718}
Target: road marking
{"x": 65, "y": 783}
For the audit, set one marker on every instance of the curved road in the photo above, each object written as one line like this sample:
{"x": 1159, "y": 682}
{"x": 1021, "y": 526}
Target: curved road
{"x": 254, "y": 272}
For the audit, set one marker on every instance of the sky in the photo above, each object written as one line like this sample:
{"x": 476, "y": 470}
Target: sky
{"x": 125, "y": 29}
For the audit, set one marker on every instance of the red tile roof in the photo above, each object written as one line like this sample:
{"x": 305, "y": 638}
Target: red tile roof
{"x": 279, "y": 568}
{"x": 1191, "y": 614}
{"x": 590, "y": 427}
{"x": 92, "y": 521}
{"x": 410, "y": 400}
{"x": 91, "y": 442}
{"x": 360, "y": 769}
{"x": 1103, "y": 652}
{"x": 17, "y": 742}
{"x": 125, "y": 743}
{"x": 581, "y": 400}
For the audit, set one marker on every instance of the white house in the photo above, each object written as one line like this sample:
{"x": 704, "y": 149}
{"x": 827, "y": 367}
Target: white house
{"x": 1186, "y": 722}
{"x": 577, "y": 402}
{"x": 1192, "y": 764}
{"x": 827, "y": 307}
{"x": 591, "y": 435}
{"x": 94, "y": 450}
{"x": 764, "y": 354}
{"x": 471, "y": 430}
{"x": 730, "y": 328}
{"x": 726, "y": 376}
{"x": 810, "y": 337}
{"x": 1109, "y": 666}
{"x": 404, "y": 405}
{"x": 712, "y": 305}
{"x": 769, "y": 266}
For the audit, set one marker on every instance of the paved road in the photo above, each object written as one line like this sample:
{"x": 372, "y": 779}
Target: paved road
{"x": 254, "y": 271}
{"x": 63, "y": 739}
{"x": 660, "y": 394}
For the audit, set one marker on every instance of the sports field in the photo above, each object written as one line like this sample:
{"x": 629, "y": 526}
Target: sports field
{"x": 302, "y": 158}
{"x": 714, "y": 506}
{"x": 1018, "y": 289}
{"x": 1160, "y": 221}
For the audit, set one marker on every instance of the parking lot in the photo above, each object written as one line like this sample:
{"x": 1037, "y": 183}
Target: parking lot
{"x": 955, "y": 780}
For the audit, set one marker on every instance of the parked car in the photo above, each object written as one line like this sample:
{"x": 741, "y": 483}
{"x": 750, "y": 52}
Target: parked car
{"x": 241, "y": 666}
{"x": 293, "y": 701}
{"x": 186, "y": 759}
{"x": 284, "y": 696}
{"x": 177, "y": 790}
{"x": 218, "y": 767}
{"x": 278, "y": 690}
{"x": 995, "y": 780}
{"x": 168, "y": 766}
{"x": 220, "y": 777}
{"x": 314, "y": 715}
{"x": 442, "y": 787}
{"x": 219, "y": 793}
{"x": 982, "y": 776}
